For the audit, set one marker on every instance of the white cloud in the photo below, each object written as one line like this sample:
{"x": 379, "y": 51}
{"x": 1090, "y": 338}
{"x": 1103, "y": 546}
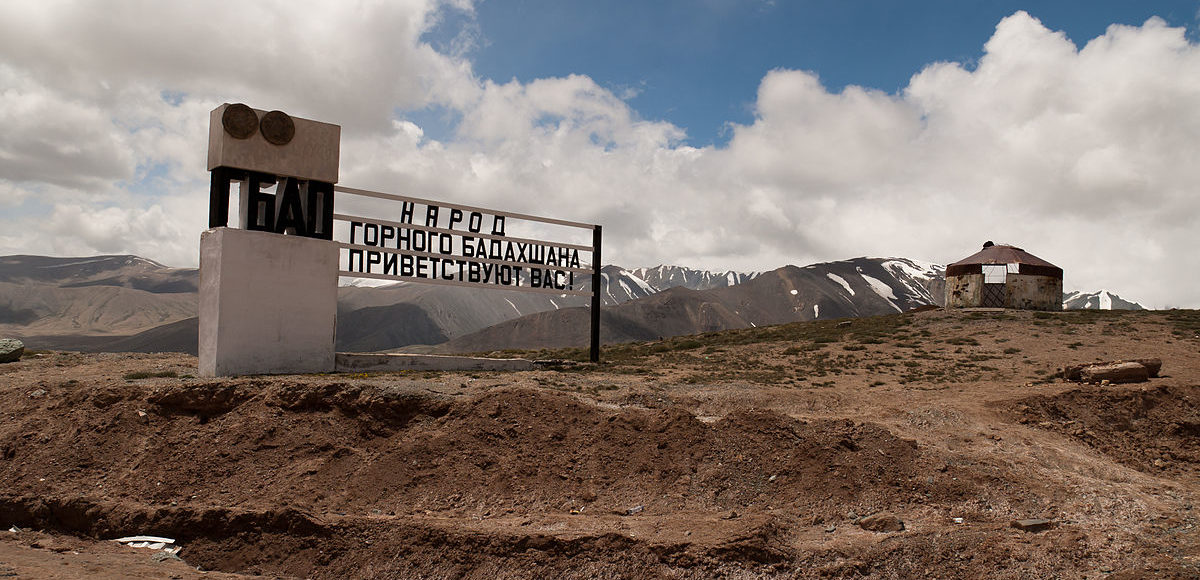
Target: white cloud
{"x": 1084, "y": 156}
{"x": 1080, "y": 155}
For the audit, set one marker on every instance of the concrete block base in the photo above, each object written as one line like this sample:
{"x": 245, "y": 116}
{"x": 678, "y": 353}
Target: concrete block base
{"x": 268, "y": 303}
{"x": 362, "y": 362}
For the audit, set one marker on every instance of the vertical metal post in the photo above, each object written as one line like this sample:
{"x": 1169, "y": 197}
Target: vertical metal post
{"x": 597, "y": 281}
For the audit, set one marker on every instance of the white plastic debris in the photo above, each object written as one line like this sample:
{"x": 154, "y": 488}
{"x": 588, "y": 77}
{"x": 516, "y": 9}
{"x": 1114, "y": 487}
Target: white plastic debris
{"x": 151, "y": 542}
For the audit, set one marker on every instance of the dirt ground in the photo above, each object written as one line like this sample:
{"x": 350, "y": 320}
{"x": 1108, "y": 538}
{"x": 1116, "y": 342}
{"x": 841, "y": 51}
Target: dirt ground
{"x": 746, "y": 454}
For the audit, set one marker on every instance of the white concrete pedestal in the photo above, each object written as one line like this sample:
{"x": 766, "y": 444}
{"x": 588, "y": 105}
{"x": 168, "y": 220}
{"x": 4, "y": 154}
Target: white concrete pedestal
{"x": 268, "y": 303}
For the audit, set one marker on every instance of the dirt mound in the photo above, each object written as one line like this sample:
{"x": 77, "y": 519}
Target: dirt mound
{"x": 344, "y": 448}
{"x": 271, "y": 476}
{"x": 1155, "y": 430}
{"x": 522, "y": 449}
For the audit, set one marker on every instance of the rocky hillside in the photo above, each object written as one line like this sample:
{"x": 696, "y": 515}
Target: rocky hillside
{"x": 129, "y": 303}
{"x": 96, "y": 296}
{"x": 849, "y": 288}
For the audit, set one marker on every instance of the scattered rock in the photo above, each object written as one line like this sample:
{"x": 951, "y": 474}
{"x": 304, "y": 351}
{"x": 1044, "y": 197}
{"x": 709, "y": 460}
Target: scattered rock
{"x": 37, "y": 393}
{"x": 881, "y": 522}
{"x": 163, "y": 556}
{"x": 1115, "y": 372}
{"x": 11, "y": 350}
{"x": 1032, "y": 525}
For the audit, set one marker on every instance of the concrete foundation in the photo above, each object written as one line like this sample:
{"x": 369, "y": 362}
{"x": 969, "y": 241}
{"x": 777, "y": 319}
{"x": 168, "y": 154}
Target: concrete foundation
{"x": 361, "y": 362}
{"x": 268, "y": 303}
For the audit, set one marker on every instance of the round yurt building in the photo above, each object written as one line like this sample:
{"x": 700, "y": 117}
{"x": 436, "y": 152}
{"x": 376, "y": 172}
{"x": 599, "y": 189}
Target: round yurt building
{"x": 1001, "y": 276}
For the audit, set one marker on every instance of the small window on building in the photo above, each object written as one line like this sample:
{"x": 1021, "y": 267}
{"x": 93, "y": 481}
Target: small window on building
{"x": 994, "y": 273}
{"x": 1014, "y": 268}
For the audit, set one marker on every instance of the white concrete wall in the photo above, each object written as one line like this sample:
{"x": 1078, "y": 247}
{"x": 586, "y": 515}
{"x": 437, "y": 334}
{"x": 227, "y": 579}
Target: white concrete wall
{"x": 268, "y": 303}
{"x": 1022, "y": 291}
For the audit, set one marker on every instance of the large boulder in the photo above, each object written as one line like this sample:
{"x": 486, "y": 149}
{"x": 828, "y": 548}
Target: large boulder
{"x": 11, "y": 350}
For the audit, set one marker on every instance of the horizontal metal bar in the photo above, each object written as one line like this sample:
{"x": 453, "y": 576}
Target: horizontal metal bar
{"x": 441, "y": 282}
{"x": 520, "y": 216}
{"x": 352, "y": 218}
{"x": 462, "y": 258}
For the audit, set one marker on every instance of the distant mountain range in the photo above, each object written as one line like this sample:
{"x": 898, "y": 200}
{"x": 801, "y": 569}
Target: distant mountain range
{"x": 859, "y": 287}
{"x": 1102, "y": 300}
{"x": 128, "y": 303}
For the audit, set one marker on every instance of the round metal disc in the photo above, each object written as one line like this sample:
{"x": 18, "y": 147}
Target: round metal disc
{"x": 239, "y": 121}
{"x": 277, "y": 128}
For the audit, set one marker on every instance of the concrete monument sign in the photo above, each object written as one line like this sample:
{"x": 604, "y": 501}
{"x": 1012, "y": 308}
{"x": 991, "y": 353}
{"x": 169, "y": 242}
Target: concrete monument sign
{"x": 268, "y": 288}
{"x": 268, "y": 302}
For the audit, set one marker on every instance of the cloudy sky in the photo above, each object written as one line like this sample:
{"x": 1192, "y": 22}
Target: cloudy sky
{"x": 722, "y": 134}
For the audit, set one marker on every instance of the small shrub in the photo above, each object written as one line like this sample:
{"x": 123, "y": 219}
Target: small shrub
{"x": 151, "y": 375}
{"x": 688, "y": 344}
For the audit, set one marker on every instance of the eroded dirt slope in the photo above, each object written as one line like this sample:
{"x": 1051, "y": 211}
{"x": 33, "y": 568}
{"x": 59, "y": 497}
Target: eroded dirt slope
{"x": 745, "y": 454}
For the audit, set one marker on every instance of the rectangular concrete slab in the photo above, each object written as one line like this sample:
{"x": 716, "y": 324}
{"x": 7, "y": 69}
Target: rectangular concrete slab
{"x": 361, "y": 362}
{"x": 313, "y": 152}
{"x": 268, "y": 303}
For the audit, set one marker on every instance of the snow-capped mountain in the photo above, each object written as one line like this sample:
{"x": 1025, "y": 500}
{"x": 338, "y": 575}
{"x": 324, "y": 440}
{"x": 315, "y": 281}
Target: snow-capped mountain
{"x": 849, "y": 288}
{"x": 1101, "y": 300}
{"x": 900, "y": 283}
{"x": 665, "y": 277}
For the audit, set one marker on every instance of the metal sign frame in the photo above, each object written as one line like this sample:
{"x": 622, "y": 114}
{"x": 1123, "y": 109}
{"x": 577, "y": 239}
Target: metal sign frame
{"x": 461, "y": 260}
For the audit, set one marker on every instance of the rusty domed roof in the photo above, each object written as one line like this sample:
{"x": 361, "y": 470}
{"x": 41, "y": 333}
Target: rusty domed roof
{"x": 1003, "y": 254}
